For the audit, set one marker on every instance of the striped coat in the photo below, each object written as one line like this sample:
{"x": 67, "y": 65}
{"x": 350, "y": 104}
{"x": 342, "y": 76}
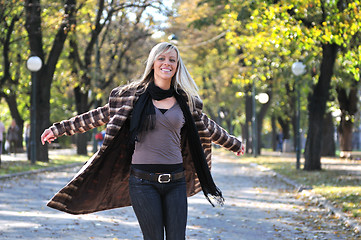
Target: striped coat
{"x": 102, "y": 183}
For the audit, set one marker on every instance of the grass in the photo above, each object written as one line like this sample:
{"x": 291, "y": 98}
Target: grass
{"x": 336, "y": 183}
{"x": 9, "y": 167}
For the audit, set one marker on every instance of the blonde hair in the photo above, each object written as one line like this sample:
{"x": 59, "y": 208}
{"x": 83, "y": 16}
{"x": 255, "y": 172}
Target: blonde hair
{"x": 181, "y": 79}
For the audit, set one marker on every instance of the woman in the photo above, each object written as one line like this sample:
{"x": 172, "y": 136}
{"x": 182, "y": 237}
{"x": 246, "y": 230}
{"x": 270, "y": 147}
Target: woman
{"x": 156, "y": 150}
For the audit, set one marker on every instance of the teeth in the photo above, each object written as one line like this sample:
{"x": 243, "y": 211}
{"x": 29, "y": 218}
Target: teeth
{"x": 167, "y": 70}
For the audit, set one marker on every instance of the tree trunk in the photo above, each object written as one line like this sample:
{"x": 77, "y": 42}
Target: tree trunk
{"x": 317, "y": 107}
{"x": 328, "y": 140}
{"x": 274, "y": 133}
{"x": 44, "y": 79}
{"x": 293, "y": 105}
{"x": 248, "y": 125}
{"x": 11, "y": 78}
{"x": 348, "y": 104}
{"x": 285, "y": 126}
{"x": 230, "y": 126}
{"x": 33, "y": 26}
{"x": 345, "y": 132}
{"x": 81, "y": 107}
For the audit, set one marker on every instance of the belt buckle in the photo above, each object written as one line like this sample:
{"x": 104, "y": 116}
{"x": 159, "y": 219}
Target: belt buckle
{"x": 166, "y": 175}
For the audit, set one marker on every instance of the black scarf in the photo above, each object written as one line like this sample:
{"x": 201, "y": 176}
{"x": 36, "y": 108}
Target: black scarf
{"x": 144, "y": 113}
{"x": 144, "y": 119}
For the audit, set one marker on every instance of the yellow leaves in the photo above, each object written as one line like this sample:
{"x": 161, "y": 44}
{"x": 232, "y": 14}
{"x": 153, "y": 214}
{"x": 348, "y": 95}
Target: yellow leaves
{"x": 239, "y": 94}
{"x": 310, "y": 41}
{"x": 271, "y": 13}
{"x": 326, "y": 38}
{"x": 190, "y": 11}
{"x": 252, "y": 26}
{"x": 233, "y": 15}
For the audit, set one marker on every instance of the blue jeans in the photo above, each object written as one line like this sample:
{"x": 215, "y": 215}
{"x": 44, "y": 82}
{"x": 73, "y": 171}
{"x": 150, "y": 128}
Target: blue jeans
{"x": 159, "y": 207}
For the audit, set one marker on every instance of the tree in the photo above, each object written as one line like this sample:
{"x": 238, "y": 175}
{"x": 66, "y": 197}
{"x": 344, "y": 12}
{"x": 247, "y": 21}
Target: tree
{"x": 99, "y": 50}
{"x": 11, "y": 39}
{"x": 302, "y": 30}
{"x": 49, "y": 56}
{"x": 335, "y": 22}
{"x": 211, "y": 62}
{"x": 348, "y": 100}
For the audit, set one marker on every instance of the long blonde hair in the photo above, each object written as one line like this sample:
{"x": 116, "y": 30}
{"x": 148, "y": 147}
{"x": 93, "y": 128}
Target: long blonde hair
{"x": 181, "y": 79}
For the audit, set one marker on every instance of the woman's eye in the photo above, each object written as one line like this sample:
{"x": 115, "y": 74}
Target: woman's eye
{"x": 172, "y": 60}
{"x": 161, "y": 59}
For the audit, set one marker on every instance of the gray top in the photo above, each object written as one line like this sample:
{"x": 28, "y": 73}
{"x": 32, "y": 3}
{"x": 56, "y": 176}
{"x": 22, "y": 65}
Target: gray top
{"x": 162, "y": 144}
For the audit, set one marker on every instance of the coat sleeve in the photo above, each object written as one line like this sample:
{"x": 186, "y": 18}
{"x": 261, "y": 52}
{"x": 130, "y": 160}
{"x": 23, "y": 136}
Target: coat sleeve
{"x": 83, "y": 122}
{"x": 220, "y": 136}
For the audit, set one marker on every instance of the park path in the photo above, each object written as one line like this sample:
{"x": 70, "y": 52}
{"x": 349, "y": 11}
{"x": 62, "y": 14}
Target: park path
{"x": 258, "y": 206}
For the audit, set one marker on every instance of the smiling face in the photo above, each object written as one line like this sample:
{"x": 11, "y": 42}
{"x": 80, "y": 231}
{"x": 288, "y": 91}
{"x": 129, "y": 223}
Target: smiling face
{"x": 165, "y": 66}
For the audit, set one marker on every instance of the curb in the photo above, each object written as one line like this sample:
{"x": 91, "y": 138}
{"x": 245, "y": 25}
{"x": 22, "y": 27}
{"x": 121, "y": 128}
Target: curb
{"x": 338, "y": 213}
{"x": 321, "y": 201}
{"x": 49, "y": 169}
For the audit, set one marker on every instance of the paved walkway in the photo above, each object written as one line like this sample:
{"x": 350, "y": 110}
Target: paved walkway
{"x": 258, "y": 206}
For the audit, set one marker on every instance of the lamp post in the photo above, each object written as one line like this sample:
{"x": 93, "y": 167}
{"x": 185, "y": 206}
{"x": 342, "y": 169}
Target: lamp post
{"x": 298, "y": 68}
{"x": 34, "y": 64}
{"x": 254, "y": 122}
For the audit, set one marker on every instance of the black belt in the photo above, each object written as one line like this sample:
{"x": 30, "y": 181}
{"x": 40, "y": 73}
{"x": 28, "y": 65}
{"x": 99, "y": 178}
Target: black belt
{"x": 157, "y": 177}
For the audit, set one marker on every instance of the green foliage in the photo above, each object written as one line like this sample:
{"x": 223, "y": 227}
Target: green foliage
{"x": 271, "y": 35}
{"x": 212, "y": 63}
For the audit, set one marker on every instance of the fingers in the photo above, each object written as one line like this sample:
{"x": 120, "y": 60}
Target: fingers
{"x": 47, "y": 136}
{"x": 242, "y": 149}
{"x": 43, "y": 137}
{"x": 241, "y": 152}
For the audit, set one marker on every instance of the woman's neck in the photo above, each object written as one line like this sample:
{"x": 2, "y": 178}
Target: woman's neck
{"x": 165, "y": 85}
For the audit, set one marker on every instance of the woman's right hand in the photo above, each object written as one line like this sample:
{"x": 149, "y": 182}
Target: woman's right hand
{"x": 47, "y": 136}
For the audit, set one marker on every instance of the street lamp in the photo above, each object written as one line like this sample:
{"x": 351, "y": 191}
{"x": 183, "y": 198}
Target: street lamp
{"x": 34, "y": 64}
{"x": 298, "y": 68}
{"x": 262, "y": 98}
{"x": 173, "y": 39}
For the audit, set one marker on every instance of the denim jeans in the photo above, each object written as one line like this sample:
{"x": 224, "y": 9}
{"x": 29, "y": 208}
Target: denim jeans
{"x": 159, "y": 207}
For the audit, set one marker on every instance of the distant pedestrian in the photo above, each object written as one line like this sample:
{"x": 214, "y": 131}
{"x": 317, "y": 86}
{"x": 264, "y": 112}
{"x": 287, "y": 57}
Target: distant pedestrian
{"x": 99, "y": 137}
{"x": 13, "y": 136}
{"x": 27, "y": 139}
{"x": 2, "y": 130}
{"x": 156, "y": 150}
{"x": 279, "y": 140}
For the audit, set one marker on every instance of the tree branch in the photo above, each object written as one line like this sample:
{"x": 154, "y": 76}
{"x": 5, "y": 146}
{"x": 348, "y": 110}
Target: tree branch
{"x": 64, "y": 28}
